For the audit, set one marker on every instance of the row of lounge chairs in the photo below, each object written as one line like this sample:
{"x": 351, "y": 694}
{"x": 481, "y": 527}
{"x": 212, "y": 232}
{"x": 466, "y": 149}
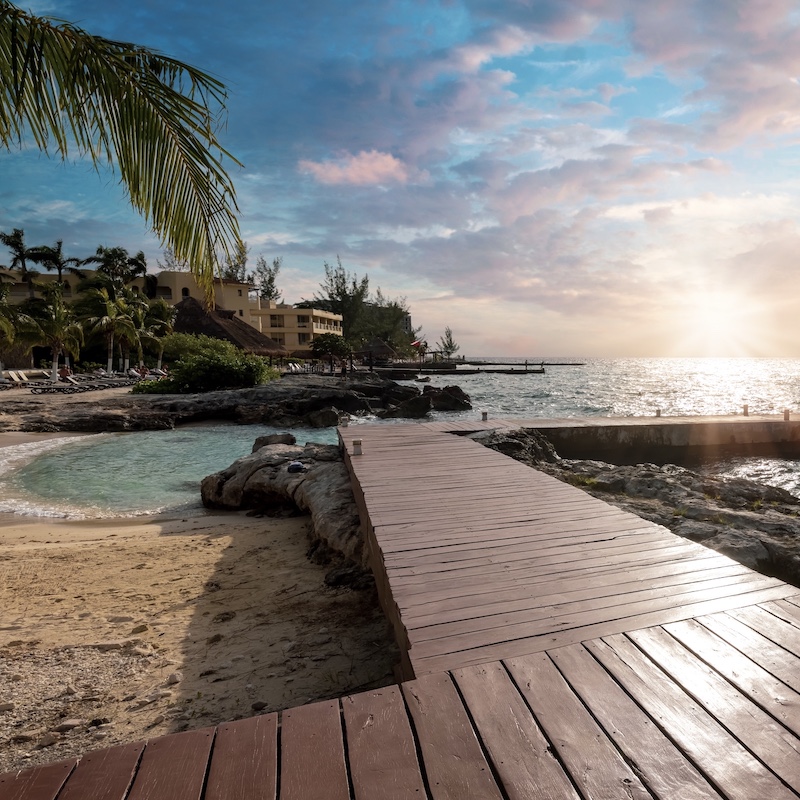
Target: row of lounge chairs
{"x": 69, "y": 385}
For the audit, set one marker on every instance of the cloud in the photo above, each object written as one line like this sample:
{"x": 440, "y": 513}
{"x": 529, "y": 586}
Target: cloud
{"x": 364, "y": 169}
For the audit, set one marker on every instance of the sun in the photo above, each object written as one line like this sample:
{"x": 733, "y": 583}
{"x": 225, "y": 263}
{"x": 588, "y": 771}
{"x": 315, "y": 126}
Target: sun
{"x": 719, "y": 322}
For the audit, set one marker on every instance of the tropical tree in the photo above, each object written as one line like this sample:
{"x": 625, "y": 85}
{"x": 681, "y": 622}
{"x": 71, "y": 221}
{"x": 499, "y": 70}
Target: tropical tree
{"x": 51, "y": 322}
{"x": 121, "y": 104}
{"x": 53, "y": 258}
{"x": 265, "y": 276}
{"x": 160, "y": 323}
{"x": 235, "y": 267}
{"x": 331, "y": 345}
{"x": 342, "y": 293}
{"x": 447, "y": 344}
{"x": 8, "y": 318}
{"x": 118, "y": 266}
{"x": 15, "y": 242}
{"x": 107, "y": 316}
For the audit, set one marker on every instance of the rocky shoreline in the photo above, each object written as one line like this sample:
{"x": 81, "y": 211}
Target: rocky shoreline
{"x": 293, "y": 401}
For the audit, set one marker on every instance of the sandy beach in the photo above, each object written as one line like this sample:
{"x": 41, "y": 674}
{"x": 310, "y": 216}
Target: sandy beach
{"x": 118, "y": 630}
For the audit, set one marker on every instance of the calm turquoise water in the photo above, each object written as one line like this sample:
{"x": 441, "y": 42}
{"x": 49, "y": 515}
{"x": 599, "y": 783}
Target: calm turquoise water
{"x": 145, "y": 473}
{"x": 122, "y": 474}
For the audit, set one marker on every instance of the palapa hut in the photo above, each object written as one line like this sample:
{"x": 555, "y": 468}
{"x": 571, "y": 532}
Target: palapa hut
{"x": 223, "y": 324}
{"x": 375, "y": 351}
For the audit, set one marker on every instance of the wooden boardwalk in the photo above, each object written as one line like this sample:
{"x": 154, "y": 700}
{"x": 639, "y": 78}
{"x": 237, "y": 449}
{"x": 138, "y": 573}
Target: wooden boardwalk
{"x": 556, "y": 648}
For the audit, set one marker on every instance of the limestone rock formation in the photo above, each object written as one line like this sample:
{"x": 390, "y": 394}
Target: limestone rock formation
{"x": 262, "y": 480}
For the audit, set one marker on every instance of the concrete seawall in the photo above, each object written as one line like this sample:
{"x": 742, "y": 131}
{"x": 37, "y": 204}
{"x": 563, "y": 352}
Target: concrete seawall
{"x": 674, "y": 440}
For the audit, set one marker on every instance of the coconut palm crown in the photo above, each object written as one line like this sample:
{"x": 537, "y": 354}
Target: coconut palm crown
{"x": 152, "y": 116}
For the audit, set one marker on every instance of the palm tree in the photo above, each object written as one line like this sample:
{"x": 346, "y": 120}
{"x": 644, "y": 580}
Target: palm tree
{"x": 7, "y": 319}
{"x": 51, "y": 322}
{"x": 15, "y": 242}
{"x": 108, "y": 316}
{"x": 160, "y": 323}
{"x": 53, "y": 258}
{"x": 120, "y": 103}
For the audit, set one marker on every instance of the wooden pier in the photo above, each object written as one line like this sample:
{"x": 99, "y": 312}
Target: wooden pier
{"x": 553, "y": 647}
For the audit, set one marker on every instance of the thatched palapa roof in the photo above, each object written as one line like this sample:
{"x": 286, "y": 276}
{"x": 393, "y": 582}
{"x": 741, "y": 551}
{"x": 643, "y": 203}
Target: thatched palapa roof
{"x": 223, "y": 324}
{"x": 377, "y": 348}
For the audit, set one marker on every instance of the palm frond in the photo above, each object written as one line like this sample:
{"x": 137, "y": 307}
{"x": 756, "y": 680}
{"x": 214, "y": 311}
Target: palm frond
{"x": 151, "y": 116}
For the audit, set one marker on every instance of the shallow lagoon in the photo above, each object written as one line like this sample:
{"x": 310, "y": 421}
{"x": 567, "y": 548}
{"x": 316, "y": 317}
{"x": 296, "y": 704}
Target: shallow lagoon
{"x": 119, "y": 474}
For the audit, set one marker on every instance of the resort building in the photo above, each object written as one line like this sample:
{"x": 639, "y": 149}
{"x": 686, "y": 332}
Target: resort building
{"x": 294, "y": 328}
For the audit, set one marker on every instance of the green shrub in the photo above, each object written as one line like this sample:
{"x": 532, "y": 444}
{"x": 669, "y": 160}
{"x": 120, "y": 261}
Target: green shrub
{"x": 208, "y": 372}
{"x": 179, "y": 346}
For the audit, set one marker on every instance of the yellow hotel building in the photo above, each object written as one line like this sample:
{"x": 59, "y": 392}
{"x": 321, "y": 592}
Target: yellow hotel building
{"x": 294, "y": 328}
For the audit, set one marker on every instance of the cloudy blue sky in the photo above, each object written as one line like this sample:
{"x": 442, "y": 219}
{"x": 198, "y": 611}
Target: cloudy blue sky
{"x": 546, "y": 177}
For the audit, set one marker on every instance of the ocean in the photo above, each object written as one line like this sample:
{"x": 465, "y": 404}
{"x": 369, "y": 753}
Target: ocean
{"x": 124, "y": 474}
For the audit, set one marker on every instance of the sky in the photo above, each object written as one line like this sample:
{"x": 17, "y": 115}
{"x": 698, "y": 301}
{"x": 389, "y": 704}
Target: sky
{"x": 609, "y": 178}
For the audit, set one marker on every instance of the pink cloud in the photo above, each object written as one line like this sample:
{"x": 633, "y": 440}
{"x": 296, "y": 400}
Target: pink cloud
{"x": 367, "y": 168}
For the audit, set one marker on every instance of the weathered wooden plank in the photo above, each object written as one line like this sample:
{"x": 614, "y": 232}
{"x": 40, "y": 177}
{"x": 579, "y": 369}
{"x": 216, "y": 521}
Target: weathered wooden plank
{"x": 381, "y": 746}
{"x": 244, "y": 761}
{"x": 593, "y": 762}
{"x": 174, "y": 767}
{"x": 586, "y": 568}
{"x": 557, "y": 591}
{"x": 37, "y": 783}
{"x": 772, "y": 626}
{"x": 665, "y": 770}
{"x": 751, "y": 725}
{"x": 611, "y": 605}
{"x": 521, "y": 754}
{"x": 772, "y": 694}
{"x": 713, "y": 750}
{"x": 767, "y": 654}
{"x": 312, "y": 753}
{"x": 454, "y": 762}
{"x": 548, "y": 641}
{"x": 470, "y": 634}
{"x": 104, "y": 774}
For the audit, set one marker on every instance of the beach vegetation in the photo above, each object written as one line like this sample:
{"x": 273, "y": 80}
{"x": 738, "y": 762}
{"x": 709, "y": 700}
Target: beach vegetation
{"x": 447, "y": 344}
{"x": 265, "y": 276}
{"x": 20, "y": 253}
{"x": 103, "y": 314}
{"x": 51, "y": 322}
{"x": 153, "y": 118}
{"x": 211, "y": 372}
{"x": 365, "y": 317}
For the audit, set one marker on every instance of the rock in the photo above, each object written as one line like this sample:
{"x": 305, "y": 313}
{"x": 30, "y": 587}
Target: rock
{"x": 48, "y": 740}
{"x": 173, "y": 678}
{"x": 449, "y": 398}
{"x": 259, "y": 705}
{"x": 68, "y": 725}
{"x": 7, "y": 707}
{"x": 324, "y": 418}
{"x": 261, "y": 481}
{"x": 120, "y": 619}
{"x": 139, "y": 629}
{"x": 413, "y": 408}
{"x": 273, "y": 438}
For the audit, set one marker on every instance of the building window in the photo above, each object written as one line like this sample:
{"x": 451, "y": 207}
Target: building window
{"x": 241, "y": 313}
{"x": 240, "y": 292}
{"x": 164, "y": 291}
{"x": 275, "y": 321}
{"x": 185, "y": 292}
{"x": 303, "y": 338}
{"x": 302, "y": 320}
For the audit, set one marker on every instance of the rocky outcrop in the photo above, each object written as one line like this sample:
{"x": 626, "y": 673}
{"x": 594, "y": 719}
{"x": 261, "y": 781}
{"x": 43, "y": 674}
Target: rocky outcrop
{"x": 755, "y": 524}
{"x": 266, "y": 480}
{"x": 293, "y": 401}
{"x": 449, "y": 398}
